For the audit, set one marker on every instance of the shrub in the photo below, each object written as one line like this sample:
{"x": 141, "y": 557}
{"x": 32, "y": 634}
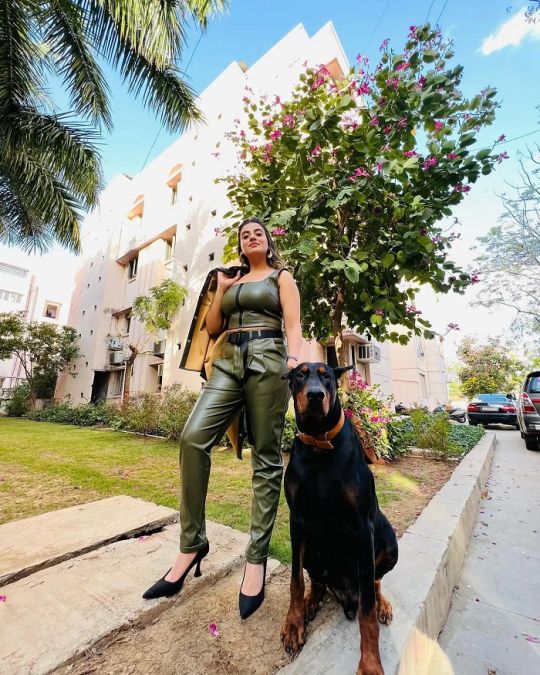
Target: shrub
{"x": 139, "y": 413}
{"x": 400, "y": 436}
{"x": 19, "y": 403}
{"x": 86, "y": 415}
{"x": 289, "y": 431}
{"x": 466, "y": 437}
{"x": 176, "y": 405}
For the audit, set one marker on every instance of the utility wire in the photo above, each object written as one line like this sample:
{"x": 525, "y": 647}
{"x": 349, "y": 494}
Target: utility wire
{"x": 383, "y": 13}
{"x": 441, "y": 12}
{"x": 161, "y": 126}
{"x": 429, "y": 11}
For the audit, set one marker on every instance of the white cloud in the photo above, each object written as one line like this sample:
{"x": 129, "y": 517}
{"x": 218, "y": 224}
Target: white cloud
{"x": 511, "y": 32}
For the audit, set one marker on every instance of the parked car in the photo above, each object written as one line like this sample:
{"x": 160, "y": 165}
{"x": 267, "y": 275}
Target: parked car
{"x": 493, "y": 409}
{"x": 529, "y": 411}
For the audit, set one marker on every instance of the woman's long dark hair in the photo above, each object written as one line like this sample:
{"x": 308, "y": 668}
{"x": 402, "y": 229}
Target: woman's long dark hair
{"x": 274, "y": 259}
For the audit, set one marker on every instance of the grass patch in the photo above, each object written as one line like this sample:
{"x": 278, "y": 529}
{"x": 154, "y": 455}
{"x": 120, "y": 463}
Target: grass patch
{"x": 46, "y": 466}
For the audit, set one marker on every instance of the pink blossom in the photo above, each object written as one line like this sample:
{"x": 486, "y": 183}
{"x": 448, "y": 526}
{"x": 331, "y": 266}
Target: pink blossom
{"x": 402, "y": 123}
{"x": 412, "y": 33}
{"x": 374, "y": 122}
{"x": 316, "y": 152}
{"x": 323, "y": 70}
{"x": 356, "y": 381}
{"x": 378, "y": 167}
{"x": 289, "y": 120}
{"x": 267, "y": 153}
{"x": 381, "y": 102}
{"x": 142, "y": 538}
{"x": 364, "y": 88}
{"x": 501, "y": 138}
{"x": 475, "y": 279}
{"x": 278, "y": 232}
{"x": 410, "y": 153}
{"x": 277, "y": 100}
{"x": 3, "y": 598}
{"x": 214, "y": 632}
{"x": 348, "y": 412}
{"x": 438, "y": 126}
{"x": 403, "y": 66}
{"x": 242, "y": 133}
{"x": 275, "y": 134}
{"x": 452, "y": 155}
{"x": 246, "y": 100}
{"x": 318, "y": 83}
{"x": 462, "y": 188}
{"x": 387, "y": 129}
{"x": 268, "y": 123}
{"x": 217, "y": 231}
{"x": 439, "y": 66}
{"x": 359, "y": 172}
{"x": 503, "y": 155}
{"x": 421, "y": 83}
{"x": 216, "y": 154}
{"x": 384, "y": 44}
{"x": 411, "y": 309}
{"x": 393, "y": 82}
{"x": 429, "y": 162}
{"x": 453, "y": 326}
{"x": 379, "y": 312}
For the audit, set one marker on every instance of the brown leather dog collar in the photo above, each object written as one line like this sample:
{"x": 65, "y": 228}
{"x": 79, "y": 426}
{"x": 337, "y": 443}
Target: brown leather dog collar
{"x": 323, "y": 440}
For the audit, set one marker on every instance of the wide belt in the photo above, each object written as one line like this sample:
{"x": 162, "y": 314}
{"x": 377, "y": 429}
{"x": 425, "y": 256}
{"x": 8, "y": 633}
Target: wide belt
{"x": 239, "y": 337}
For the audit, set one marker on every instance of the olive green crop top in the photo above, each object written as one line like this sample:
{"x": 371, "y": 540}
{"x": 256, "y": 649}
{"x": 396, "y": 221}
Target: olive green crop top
{"x": 253, "y": 303}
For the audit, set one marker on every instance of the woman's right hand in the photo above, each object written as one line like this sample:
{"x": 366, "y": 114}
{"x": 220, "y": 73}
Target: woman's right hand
{"x": 225, "y": 281}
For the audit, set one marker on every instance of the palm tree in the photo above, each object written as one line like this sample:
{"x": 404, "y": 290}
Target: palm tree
{"x": 50, "y": 168}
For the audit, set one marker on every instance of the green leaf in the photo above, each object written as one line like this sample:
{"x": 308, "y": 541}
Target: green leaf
{"x": 388, "y": 259}
{"x": 376, "y": 319}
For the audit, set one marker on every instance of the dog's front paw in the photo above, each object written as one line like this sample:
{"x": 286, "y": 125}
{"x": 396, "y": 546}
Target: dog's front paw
{"x": 384, "y": 611}
{"x": 293, "y": 636}
{"x": 311, "y": 607}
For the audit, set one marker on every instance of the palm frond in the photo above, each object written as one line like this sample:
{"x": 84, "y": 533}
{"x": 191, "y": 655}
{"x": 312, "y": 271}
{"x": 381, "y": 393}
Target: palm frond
{"x": 21, "y": 64}
{"x": 64, "y": 26}
{"x": 59, "y": 143}
{"x": 202, "y": 10}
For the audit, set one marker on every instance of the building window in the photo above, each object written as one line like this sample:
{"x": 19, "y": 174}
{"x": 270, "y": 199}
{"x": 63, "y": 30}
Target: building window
{"x": 169, "y": 248}
{"x": 331, "y": 356}
{"x": 52, "y": 310}
{"x": 185, "y": 268}
{"x": 174, "y": 194}
{"x": 211, "y": 257}
{"x": 423, "y": 387}
{"x": 132, "y": 267}
{"x": 188, "y": 227}
{"x": 10, "y": 296}
{"x": 127, "y": 324}
{"x": 116, "y": 382}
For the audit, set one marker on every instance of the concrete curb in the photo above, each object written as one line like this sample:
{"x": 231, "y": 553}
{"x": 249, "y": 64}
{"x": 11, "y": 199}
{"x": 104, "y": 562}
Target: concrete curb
{"x": 420, "y": 587}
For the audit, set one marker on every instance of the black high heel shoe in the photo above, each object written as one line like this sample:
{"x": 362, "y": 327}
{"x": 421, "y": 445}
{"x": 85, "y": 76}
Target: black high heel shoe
{"x": 163, "y": 588}
{"x": 247, "y": 604}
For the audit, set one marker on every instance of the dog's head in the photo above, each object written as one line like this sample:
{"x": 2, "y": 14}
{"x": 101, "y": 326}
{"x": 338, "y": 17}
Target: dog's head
{"x": 314, "y": 388}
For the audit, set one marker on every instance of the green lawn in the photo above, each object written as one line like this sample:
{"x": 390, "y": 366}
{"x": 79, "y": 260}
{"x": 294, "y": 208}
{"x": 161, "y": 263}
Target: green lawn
{"x": 45, "y": 466}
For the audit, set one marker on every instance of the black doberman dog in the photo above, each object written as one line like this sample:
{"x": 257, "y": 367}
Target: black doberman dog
{"x": 338, "y": 533}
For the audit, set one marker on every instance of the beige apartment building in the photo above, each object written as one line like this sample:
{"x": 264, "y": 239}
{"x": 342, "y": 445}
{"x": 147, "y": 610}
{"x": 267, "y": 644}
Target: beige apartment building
{"x": 37, "y": 300}
{"x": 165, "y": 222}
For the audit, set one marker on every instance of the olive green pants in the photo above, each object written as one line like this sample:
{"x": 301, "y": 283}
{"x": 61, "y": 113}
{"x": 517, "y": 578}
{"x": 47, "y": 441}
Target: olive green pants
{"x": 250, "y": 375}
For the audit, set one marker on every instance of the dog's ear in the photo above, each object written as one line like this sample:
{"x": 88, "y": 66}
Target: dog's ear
{"x": 338, "y": 372}
{"x": 287, "y": 375}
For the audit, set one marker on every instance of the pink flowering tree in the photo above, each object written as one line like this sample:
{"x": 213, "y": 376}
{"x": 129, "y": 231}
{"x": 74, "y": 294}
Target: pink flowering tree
{"x": 355, "y": 176}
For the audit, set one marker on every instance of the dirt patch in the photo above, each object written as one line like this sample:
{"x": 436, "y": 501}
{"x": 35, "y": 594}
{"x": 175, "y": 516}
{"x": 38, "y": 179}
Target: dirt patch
{"x": 25, "y": 493}
{"x": 179, "y": 641}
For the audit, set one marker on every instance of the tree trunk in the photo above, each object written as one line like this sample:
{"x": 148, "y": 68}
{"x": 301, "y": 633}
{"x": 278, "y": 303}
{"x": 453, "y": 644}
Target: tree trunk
{"x": 338, "y": 329}
{"x": 127, "y": 373}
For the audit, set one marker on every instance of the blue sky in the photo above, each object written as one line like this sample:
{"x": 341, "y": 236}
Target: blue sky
{"x": 251, "y": 27}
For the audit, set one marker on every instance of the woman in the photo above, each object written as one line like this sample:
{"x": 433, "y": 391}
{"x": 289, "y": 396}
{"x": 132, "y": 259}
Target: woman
{"x": 252, "y": 309}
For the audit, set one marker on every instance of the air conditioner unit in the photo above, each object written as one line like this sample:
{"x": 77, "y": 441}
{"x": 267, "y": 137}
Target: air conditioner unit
{"x": 159, "y": 347}
{"x": 160, "y": 370}
{"x": 116, "y": 358}
{"x": 368, "y": 354}
{"x": 115, "y": 344}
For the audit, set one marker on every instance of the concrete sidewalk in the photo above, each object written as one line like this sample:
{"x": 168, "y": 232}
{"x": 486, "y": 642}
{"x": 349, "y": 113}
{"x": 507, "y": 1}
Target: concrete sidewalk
{"x": 494, "y": 623}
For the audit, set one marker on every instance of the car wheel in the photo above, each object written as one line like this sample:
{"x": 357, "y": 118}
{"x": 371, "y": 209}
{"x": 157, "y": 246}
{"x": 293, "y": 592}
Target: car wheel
{"x": 531, "y": 442}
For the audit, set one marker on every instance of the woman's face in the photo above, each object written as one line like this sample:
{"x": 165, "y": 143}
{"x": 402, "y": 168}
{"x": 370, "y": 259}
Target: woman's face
{"x": 253, "y": 240}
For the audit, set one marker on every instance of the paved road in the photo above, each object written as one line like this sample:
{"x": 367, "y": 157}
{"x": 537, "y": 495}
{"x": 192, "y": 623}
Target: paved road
{"x": 494, "y": 623}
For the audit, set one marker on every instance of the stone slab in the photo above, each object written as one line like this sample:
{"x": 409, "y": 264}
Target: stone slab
{"x": 41, "y": 541}
{"x": 420, "y": 586}
{"x": 57, "y": 613}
